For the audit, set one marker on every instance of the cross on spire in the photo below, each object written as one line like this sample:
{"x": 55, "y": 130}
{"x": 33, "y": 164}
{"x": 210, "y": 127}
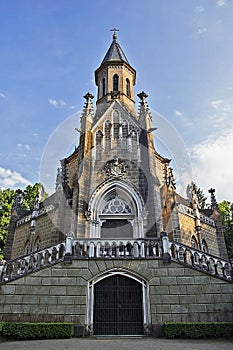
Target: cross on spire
{"x": 114, "y": 36}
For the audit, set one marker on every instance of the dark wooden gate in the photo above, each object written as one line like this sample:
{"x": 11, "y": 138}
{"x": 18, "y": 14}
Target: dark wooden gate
{"x": 118, "y": 306}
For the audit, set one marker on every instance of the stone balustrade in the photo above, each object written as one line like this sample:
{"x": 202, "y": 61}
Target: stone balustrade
{"x": 32, "y": 262}
{"x": 201, "y": 260}
{"x": 97, "y": 248}
{"x": 74, "y": 248}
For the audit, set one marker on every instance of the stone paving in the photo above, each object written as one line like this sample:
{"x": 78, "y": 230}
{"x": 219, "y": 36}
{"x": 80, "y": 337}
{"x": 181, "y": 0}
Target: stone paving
{"x": 118, "y": 344}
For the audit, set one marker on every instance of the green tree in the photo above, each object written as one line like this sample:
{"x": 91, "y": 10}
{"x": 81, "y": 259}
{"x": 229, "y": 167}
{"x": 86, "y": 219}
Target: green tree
{"x": 226, "y": 212}
{"x": 7, "y": 198}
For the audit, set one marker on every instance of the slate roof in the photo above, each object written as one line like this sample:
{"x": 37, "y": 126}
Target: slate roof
{"x": 115, "y": 53}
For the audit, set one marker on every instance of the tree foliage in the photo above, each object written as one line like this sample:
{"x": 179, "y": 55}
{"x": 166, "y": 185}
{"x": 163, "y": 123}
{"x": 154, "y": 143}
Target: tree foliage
{"x": 7, "y": 197}
{"x": 226, "y": 212}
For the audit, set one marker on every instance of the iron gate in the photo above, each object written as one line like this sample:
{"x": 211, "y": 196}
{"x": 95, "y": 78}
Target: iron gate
{"x": 118, "y": 306}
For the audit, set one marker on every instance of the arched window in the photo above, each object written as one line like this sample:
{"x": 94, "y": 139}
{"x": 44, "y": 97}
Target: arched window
{"x": 107, "y": 134}
{"x": 27, "y": 247}
{"x": 37, "y": 244}
{"x": 133, "y": 134}
{"x": 116, "y": 124}
{"x": 98, "y": 137}
{"x": 103, "y": 87}
{"x": 128, "y": 88}
{"x": 194, "y": 243}
{"x": 204, "y": 246}
{"x": 107, "y": 129}
{"x": 115, "y": 82}
{"x": 125, "y": 129}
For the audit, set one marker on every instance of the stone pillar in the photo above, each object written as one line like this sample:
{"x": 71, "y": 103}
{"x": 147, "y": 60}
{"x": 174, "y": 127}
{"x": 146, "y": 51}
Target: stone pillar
{"x": 166, "y": 248}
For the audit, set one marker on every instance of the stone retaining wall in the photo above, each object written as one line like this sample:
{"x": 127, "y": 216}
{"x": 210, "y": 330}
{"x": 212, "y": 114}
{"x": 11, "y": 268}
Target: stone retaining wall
{"x": 59, "y": 292}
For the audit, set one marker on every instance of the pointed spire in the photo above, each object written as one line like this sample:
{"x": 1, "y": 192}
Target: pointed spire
{"x": 17, "y": 201}
{"x": 144, "y": 111}
{"x": 115, "y": 52}
{"x": 88, "y": 112}
{"x": 88, "y": 97}
{"x": 59, "y": 178}
{"x": 214, "y": 204}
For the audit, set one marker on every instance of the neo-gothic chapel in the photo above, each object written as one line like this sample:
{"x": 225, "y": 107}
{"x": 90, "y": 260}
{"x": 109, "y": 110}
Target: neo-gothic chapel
{"x": 116, "y": 249}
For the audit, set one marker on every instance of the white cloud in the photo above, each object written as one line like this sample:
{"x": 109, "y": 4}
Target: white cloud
{"x": 217, "y": 103}
{"x": 61, "y": 104}
{"x": 178, "y": 113}
{"x": 199, "y": 9}
{"x": 22, "y": 147}
{"x": 221, "y": 115}
{"x": 12, "y": 179}
{"x": 2, "y": 95}
{"x": 57, "y": 103}
{"x": 221, "y": 2}
{"x": 212, "y": 165}
{"x": 201, "y": 30}
{"x": 183, "y": 118}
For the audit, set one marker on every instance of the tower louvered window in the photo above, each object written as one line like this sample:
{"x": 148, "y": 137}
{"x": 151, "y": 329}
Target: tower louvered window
{"x": 128, "y": 88}
{"x": 103, "y": 87}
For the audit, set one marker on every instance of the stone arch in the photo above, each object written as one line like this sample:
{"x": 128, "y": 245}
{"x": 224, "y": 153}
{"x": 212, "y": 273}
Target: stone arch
{"x": 37, "y": 243}
{"x": 27, "y": 247}
{"x": 130, "y": 207}
{"x": 146, "y": 316}
{"x": 204, "y": 246}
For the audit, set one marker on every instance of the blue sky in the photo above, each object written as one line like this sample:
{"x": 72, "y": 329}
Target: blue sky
{"x": 181, "y": 49}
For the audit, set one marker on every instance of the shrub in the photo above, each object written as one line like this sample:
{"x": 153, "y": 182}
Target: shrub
{"x": 195, "y": 330}
{"x": 27, "y": 330}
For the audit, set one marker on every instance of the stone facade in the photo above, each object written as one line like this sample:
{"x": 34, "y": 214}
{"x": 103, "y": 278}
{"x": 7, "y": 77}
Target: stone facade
{"x": 116, "y": 158}
{"x": 176, "y": 293}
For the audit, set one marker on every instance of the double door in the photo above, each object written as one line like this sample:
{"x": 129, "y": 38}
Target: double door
{"x": 118, "y": 306}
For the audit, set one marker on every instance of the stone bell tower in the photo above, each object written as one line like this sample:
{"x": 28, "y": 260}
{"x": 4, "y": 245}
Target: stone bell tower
{"x": 115, "y": 78}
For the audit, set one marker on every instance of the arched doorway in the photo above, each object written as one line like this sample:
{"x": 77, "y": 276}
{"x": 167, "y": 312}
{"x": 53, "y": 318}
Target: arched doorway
{"x": 118, "y": 306}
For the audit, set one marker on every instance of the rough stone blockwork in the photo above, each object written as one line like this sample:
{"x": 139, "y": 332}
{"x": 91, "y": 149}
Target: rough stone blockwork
{"x": 59, "y": 293}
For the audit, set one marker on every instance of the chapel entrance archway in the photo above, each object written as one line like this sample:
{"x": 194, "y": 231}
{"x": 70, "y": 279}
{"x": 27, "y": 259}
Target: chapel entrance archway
{"x": 118, "y": 306}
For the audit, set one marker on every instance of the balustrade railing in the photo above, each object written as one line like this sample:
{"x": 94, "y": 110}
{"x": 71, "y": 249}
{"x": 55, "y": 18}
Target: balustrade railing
{"x": 117, "y": 249}
{"x": 97, "y": 248}
{"x": 32, "y": 262}
{"x": 201, "y": 260}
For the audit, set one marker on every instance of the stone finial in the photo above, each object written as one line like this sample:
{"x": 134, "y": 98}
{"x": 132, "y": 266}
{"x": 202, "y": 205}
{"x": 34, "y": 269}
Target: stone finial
{"x": 63, "y": 172}
{"x": 114, "y": 30}
{"x": 88, "y": 97}
{"x": 142, "y": 96}
{"x": 214, "y": 204}
{"x": 17, "y": 201}
{"x": 58, "y": 178}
